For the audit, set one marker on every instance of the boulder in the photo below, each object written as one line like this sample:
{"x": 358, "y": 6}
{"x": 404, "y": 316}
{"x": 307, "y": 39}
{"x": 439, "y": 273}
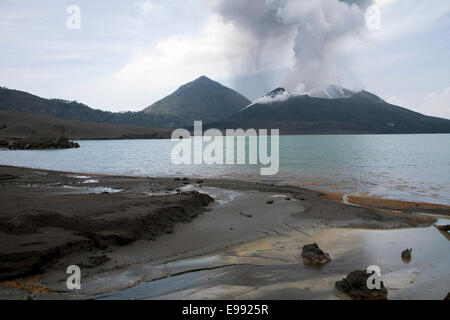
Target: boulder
{"x": 445, "y": 228}
{"x": 355, "y": 285}
{"x": 406, "y": 255}
{"x": 313, "y": 255}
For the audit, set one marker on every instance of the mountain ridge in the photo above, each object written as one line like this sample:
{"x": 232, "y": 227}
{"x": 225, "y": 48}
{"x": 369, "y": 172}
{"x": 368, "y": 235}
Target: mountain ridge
{"x": 21, "y": 101}
{"x": 17, "y": 125}
{"x": 361, "y": 113}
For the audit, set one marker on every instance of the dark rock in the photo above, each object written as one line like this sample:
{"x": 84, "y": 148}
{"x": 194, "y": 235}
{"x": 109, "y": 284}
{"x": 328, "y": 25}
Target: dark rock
{"x": 447, "y": 298}
{"x": 355, "y": 285}
{"x": 4, "y": 143}
{"x": 245, "y": 215}
{"x": 288, "y": 199}
{"x": 185, "y": 179}
{"x": 177, "y": 179}
{"x": 44, "y": 141}
{"x": 270, "y": 202}
{"x": 276, "y": 92}
{"x": 406, "y": 255}
{"x": 445, "y": 228}
{"x": 313, "y": 255}
{"x": 200, "y": 181}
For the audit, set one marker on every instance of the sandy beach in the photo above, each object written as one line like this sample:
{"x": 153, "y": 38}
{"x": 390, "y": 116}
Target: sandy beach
{"x": 127, "y": 231}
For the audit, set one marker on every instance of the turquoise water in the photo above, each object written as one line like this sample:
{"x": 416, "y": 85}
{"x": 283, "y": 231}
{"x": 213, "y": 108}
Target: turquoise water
{"x": 405, "y": 167}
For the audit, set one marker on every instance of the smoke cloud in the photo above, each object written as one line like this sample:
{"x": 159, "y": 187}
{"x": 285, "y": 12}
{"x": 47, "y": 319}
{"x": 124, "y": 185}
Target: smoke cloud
{"x": 311, "y": 37}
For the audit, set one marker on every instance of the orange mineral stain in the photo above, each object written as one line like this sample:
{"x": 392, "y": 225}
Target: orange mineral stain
{"x": 27, "y": 284}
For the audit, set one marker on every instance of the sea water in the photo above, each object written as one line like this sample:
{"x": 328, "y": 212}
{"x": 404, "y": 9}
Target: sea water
{"x": 404, "y": 167}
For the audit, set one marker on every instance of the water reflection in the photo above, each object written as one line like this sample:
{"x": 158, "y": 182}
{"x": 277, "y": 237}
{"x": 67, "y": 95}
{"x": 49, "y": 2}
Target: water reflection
{"x": 271, "y": 268}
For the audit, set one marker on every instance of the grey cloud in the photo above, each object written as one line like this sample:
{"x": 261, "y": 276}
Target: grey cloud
{"x": 313, "y": 30}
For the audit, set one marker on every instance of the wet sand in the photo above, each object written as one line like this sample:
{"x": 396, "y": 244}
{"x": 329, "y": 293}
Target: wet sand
{"x": 387, "y": 204}
{"x": 123, "y": 231}
{"x": 272, "y": 268}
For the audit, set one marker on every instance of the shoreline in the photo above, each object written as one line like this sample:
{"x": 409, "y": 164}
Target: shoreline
{"x": 108, "y": 224}
{"x": 358, "y": 199}
{"x": 387, "y": 204}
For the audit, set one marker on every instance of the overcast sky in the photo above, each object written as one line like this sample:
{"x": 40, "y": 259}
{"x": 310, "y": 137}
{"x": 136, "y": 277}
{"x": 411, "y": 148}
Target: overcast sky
{"x": 129, "y": 54}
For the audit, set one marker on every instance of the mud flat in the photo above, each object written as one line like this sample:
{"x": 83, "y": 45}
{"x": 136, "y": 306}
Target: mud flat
{"x": 127, "y": 231}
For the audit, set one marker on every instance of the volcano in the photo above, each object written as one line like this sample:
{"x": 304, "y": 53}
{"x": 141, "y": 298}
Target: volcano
{"x": 201, "y": 99}
{"x": 333, "y": 111}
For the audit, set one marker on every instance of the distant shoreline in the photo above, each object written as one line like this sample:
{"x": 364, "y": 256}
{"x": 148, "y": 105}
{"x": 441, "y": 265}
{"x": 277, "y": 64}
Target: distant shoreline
{"x": 281, "y": 135}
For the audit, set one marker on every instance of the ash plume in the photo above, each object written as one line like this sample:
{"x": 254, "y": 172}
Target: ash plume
{"x": 312, "y": 34}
